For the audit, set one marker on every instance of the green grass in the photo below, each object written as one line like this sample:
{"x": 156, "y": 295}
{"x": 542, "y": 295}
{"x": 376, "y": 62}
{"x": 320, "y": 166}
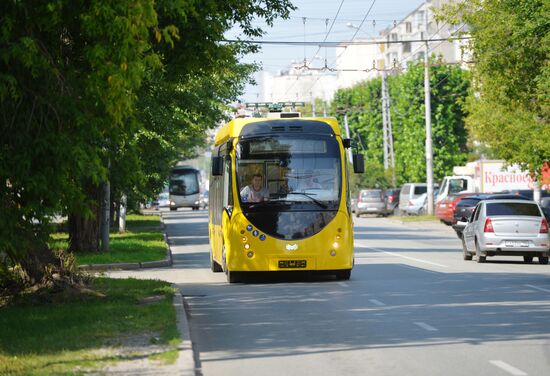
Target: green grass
{"x": 418, "y": 218}
{"x": 52, "y": 334}
{"x": 136, "y": 221}
{"x": 140, "y": 243}
{"x": 126, "y": 247}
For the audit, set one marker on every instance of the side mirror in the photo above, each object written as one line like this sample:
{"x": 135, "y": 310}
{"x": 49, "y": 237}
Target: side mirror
{"x": 346, "y": 142}
{"x": 464, "y": 219}
{"x": 358, "y": 163}
{"x": 217, "y": 166}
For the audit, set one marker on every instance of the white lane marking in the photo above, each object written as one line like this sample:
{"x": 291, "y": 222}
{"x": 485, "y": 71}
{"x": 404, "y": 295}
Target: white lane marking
{"x": 376, "y": 302}
{"x": 425, "y": 326}
{"x": 508, "y": 368}
{"x": 538, "y": 288}
{"x": 398, "y": 255}
{"x": 343, "y": 284}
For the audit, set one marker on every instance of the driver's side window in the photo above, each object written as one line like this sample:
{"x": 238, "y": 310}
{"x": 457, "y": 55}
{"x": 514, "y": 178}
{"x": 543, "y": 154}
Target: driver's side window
{"x": 475, "y": 214}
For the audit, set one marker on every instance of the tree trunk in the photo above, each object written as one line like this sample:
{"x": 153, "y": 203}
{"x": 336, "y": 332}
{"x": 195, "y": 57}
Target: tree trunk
{"x": 35, "y": 260}
{"x": 84, "y": 230}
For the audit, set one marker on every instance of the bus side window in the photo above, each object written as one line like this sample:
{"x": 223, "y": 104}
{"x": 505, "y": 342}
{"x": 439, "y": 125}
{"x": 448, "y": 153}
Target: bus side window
{"x": 227, "y": 183}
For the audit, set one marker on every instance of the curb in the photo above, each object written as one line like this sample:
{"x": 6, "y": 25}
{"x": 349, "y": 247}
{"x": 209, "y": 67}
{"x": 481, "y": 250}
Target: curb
{"x": 422, "y": 225}
{"x": 168, "y": 261}
{"x": 186, "y": 360}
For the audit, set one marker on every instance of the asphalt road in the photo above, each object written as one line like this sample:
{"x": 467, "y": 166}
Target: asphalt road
{"x": 412, "y": 307}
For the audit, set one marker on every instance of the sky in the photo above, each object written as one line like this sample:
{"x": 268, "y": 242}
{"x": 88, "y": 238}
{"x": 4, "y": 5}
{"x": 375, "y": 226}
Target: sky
{"x": 343, "y": 25}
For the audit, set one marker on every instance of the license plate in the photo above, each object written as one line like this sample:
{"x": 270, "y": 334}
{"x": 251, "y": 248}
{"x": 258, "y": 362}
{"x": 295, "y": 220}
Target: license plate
{"x": 287, "y": 264}
{"x": 372, "y": 209}
{"x": 517, "y": 243}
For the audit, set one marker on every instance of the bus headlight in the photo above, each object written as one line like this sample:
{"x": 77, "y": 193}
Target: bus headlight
{"x": 335, "y": 245}
{"x": 246, "y": 246}
{"x": 332, "y": 252}
{"x": 245, "y": 239}
{"x": 250, "y": 254}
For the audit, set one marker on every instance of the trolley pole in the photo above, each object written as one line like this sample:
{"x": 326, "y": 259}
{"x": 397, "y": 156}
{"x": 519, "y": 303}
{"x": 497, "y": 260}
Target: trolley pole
{"x": 428, "y": 115}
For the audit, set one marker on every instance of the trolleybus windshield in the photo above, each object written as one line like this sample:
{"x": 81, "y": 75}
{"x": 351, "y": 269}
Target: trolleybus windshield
{"x": 184, "y": 182}
{"x": 289, "y": 185}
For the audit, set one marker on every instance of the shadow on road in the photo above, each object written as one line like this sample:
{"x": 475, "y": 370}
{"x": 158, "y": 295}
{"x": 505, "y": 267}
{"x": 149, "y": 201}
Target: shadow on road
{"x": 271, "y": 317}
{"x": 290, "y": 314}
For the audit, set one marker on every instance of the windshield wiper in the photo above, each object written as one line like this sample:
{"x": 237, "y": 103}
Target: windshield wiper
{"x": 310, "y": 196}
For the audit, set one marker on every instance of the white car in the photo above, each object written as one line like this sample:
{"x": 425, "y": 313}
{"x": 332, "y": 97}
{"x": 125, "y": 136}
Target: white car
{"x": 417, "y": 206}
{"x": 163, "y": 200}
{"x": 506, "y": 227}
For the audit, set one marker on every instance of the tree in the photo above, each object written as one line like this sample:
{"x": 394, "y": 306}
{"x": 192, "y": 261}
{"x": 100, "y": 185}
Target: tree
{"x": 131, "y": 81}
{"x": 508, "y": 106}
{"x": 449, "y": 87}
{"x": 363, "y": 104}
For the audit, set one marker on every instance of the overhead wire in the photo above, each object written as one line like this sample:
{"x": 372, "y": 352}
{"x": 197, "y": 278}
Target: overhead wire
{"x": 324, "y": 40}
{"x": 343, "y": 51}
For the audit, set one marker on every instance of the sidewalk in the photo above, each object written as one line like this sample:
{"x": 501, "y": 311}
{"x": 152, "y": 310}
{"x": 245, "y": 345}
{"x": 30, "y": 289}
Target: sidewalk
{"x": 140, "y": 364}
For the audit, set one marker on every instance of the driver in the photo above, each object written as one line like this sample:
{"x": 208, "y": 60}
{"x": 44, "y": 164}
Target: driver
{"x": 254, "y": 192}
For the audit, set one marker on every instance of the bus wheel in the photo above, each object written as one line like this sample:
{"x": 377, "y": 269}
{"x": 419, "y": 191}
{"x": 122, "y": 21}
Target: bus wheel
{"x": 343, "y": 275}
{"x": 233, "y": 277}
{"x": 214, "y": 266}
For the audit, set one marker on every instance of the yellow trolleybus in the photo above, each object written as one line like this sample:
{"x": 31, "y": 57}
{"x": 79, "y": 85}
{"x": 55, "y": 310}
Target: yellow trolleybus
{"x": 279, "y": 197}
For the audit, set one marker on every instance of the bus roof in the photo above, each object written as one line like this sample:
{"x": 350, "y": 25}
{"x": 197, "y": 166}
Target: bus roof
{"x": 235, "y": 126}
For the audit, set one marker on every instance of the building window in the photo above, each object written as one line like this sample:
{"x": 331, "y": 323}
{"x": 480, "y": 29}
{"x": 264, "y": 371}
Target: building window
{"x": 408, "y": 27}
{"x": 420, "y": 17}
{"x": 394, "y": 37}
{"x": 420, "y": 55}
{"x": 406, "y": 47}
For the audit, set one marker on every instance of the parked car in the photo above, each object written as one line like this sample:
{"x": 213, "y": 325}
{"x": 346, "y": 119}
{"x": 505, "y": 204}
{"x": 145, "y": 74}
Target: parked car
{"x": 408, "y": 192}
{"x": 163, "y": 200}
{"x": 202, "y": 202}
{"x": 353, "y": 205}
{"x": 417, "y": 206}
{"x": 528, "y": 193}
{"x": 445, "y": 208}
{"x": 370, "y": 201}
{"x": 545, "y": 206}
{"x": 391, "y": 196}
{"x": 506, "y": 227}
{"x": 467, "y": 204}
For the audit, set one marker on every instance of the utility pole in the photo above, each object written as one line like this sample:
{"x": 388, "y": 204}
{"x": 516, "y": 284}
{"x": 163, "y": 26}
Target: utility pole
{"x": 384, "y": 120}
{"x": 390, "y": 141}
{"x": 350, "y": 158}
{"x": 312, "y": 104}
{"x": 428, "y": 116}
{"x": 389, "y": 160}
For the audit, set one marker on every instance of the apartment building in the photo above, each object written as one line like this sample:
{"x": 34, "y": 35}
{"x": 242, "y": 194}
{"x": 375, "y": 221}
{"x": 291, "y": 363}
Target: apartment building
{"x": 298, "y": 84}
{"x": 398, "y": 45}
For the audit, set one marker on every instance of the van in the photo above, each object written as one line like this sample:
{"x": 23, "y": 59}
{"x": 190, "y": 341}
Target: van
{"x": 408, "y": 192}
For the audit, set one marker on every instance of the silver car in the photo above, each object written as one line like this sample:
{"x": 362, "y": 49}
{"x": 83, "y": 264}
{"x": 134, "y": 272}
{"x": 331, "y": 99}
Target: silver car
{"x": 371, "y": 201}
{"x": 506, "y": 227}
